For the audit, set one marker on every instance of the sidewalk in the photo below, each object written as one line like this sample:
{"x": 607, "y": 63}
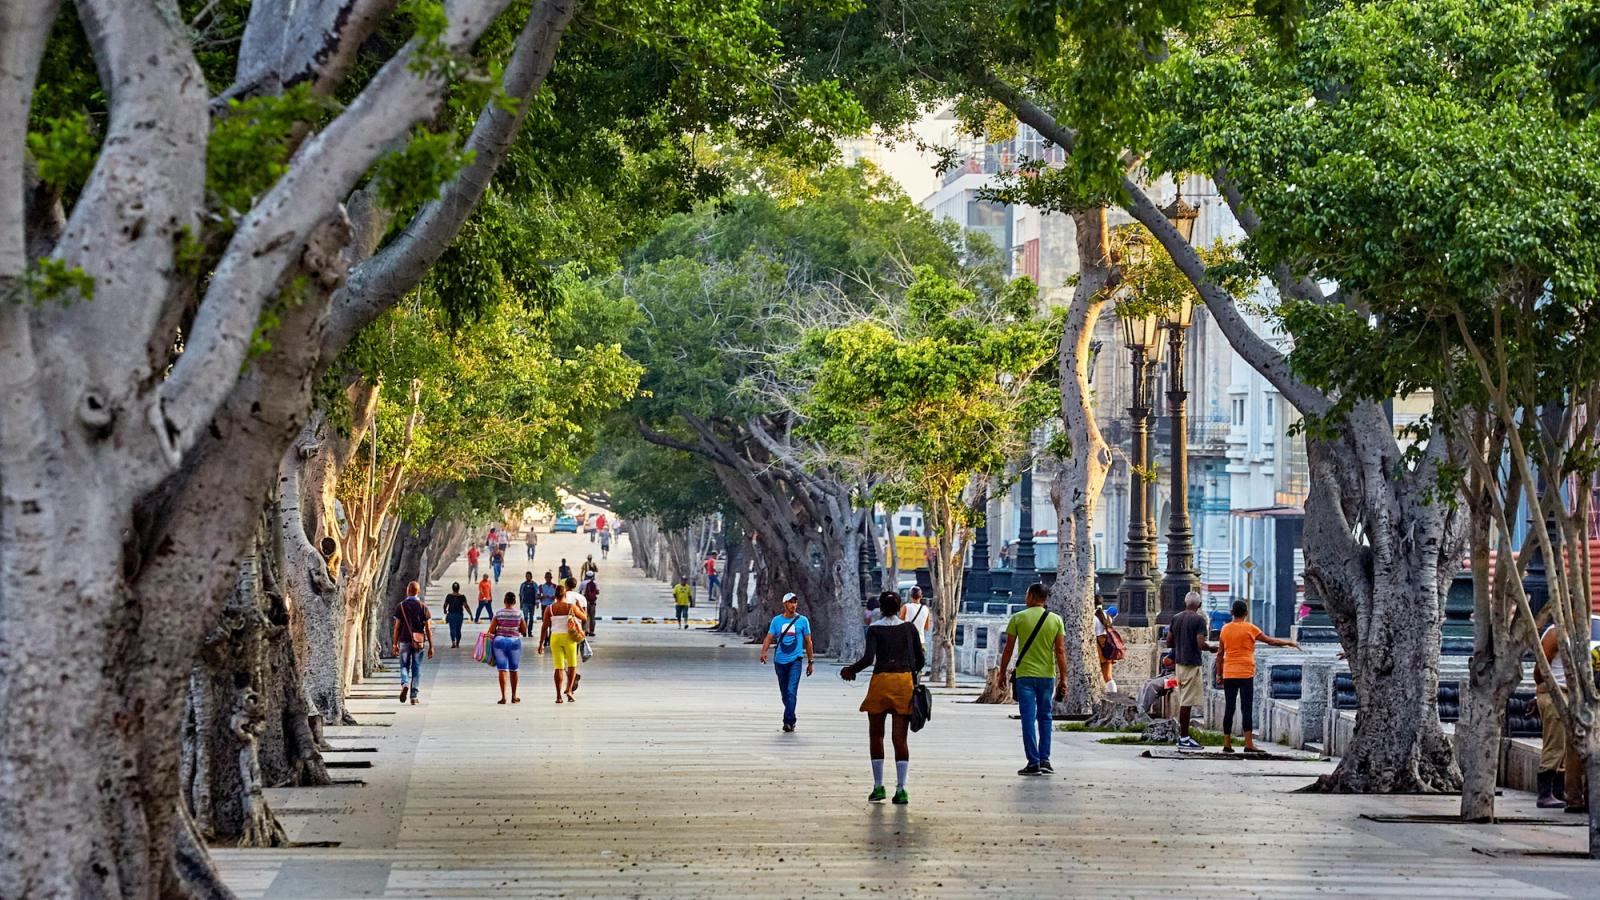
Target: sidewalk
{"x": 670, "y": 778}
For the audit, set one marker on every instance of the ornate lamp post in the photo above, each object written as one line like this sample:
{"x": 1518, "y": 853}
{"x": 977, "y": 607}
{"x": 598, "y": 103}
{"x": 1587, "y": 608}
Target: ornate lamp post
{"x": 1180, "y": 577}
{"x": 1142, "y": 334}
{"x": 1023, "y": 567}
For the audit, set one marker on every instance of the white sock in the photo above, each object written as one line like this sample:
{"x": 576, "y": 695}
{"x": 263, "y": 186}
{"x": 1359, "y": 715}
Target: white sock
{"x": 877, "y": 773}
{"x": 1112, "y": 685}
{"x": 900, "y": 767}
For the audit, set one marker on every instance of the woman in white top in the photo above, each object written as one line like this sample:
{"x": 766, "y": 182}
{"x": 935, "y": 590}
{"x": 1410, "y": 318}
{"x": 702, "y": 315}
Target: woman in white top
{"x": 916, "y": 611}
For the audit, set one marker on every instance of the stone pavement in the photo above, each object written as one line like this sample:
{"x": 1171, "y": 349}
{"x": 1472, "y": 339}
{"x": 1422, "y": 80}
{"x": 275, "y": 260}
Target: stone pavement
{"x": 670, "y": 778}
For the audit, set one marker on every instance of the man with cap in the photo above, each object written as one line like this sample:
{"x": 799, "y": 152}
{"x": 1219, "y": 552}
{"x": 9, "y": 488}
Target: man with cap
{"x": 790, "y": 632}
{"x": 1186, "y": 637}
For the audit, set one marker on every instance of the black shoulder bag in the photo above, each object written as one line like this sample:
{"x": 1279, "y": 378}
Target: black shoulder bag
{"x": 1012, "y": 677}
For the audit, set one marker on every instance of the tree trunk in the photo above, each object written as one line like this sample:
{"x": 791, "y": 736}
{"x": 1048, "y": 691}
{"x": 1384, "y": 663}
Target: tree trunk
{"x": 1082, "y": 474}
{"x": 1385, "y": 593}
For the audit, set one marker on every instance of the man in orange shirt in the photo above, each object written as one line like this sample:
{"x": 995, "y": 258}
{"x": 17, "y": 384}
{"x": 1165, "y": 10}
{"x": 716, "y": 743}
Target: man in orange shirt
{"x": 485, "y": 600}
{"x": 472, "y": 564}
{"x": 1236, "y": 666}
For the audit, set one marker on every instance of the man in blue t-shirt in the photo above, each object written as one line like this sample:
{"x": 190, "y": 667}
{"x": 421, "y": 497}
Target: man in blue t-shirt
{"x": 791, "y": 632}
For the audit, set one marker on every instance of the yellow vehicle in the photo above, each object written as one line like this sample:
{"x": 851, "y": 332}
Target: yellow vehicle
{"x": 911, "y": 551}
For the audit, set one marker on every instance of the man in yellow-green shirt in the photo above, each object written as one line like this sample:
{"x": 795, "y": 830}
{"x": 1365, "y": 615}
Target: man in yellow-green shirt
{"x": 1036, "y": 637}
{"x": 681, "y": 595}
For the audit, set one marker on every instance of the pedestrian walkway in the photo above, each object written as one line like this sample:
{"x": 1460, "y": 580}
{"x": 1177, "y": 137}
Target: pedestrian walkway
{"x": 670, "y": 778}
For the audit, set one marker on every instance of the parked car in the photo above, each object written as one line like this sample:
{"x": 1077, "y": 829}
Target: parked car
{"x": 564, "y": 523}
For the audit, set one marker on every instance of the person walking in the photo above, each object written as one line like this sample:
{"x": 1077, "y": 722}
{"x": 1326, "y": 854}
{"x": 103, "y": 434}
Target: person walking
{"x": 605, "y": 543}
{"x": 1040, "y": 675}
{"x": 532, "y": 540}
{"x": 547, "y": 594}
{"x": 497, "y": 561}
{"x": 507, "y": 630}
{"x": 528, "y": 593}
{"x": 411, "y": 632}
{"x": 789, "y": 632}
{"x": 894, "y": 650}
{"x": 563, "y": 571}
{"x": 455, "y": 612}
{"x": 682, "y": 596}
{"x": 590, "y": 592}
{"x": 472, "y": 562}
{"x": 485, "y": 600}
{"x": 712, "y": 579}
{"x": 588, "y": 568}
{"x": 1186, "y": 638}
{"x": 563, "y": 631}
{"x": 916, "y": 611}
{"x": 1236, "y": 665}
{"x": 1552, "y": 731}
{"x": 1104, "y": 616}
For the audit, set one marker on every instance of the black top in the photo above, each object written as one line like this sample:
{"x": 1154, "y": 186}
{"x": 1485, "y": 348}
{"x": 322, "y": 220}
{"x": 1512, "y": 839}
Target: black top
{"x": 455, "y": 604}
{"x": 1187, "y": 629}
{"x": 891, "y": 648}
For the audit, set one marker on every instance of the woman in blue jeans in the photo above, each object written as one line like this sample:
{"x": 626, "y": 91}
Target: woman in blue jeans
{"x": 507, "y": 630}
{"x": 1040, "y": 675}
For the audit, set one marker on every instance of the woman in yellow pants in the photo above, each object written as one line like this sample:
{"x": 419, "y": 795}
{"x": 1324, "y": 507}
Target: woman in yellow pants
{"x": 568, "y": 618}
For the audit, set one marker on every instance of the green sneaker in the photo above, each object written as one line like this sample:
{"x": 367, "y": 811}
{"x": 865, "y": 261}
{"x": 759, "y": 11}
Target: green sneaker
{"x": 878, "y": 795}
{"x": 900, "y": 797}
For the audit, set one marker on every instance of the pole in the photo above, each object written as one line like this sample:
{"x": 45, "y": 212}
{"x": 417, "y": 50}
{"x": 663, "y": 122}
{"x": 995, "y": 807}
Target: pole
{"x": 1133, "y": 595}
{"x": 1180, "y": 577}
{"x": 1023, "y": 565}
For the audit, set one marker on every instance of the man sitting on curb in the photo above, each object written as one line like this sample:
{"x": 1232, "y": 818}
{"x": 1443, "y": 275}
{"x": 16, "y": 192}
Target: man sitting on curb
{"x": 1186, "y": 638}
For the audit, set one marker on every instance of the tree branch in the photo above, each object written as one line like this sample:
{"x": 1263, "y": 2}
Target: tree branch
{"x": 287, "y": 42}
{"x": 24, "y": 30}
{"x": 1255, "y": 350}
{"x": 270, "y": 240}
{"x": 378, "y": 283}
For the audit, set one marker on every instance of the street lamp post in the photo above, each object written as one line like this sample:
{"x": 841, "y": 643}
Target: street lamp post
{"x": 1142, "y": 335}
{"x": 1180, "y": 577}
{"x": 1023, "y": 566}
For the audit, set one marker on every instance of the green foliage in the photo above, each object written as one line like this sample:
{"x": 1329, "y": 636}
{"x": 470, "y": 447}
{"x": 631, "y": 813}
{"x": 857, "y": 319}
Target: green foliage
{"x": 931, "y": 400}
{"x": 50, "y": 280}
{"x": 251, "y": 142}
{"x": 63, "y": 151}
{"x": 411, "y": 176}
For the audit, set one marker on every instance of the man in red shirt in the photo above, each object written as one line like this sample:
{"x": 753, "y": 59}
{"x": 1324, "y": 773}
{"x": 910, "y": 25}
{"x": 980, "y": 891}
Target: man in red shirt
{"x": 711, "y": 576}
{"x": 412, "y": 633}
{"x": 472, "y": 563}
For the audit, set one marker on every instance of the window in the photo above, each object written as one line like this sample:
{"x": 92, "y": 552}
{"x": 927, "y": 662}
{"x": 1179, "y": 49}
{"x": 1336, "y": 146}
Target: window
{"x": 982, "y": 642}
{"x": 1238, "y": 410}
{"x": 961, "y": 636}
{"x": 1270, "y": 417}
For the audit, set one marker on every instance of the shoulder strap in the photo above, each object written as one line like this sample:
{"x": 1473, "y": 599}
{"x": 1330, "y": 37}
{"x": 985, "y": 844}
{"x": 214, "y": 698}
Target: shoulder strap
{"x": 785, "y": 633}
{"x": 1031, "y": 635}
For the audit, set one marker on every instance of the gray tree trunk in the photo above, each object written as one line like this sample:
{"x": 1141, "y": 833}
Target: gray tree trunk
{"x": 1082, "y": 475}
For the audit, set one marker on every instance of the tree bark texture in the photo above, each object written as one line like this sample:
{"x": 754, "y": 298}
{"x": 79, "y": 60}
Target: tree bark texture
{"x": 158, "y": 461}
{"x": 1082, "y": 475}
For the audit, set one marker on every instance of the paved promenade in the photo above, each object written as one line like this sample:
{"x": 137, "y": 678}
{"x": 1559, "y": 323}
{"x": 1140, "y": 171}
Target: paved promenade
{"x": 670, "y": 778}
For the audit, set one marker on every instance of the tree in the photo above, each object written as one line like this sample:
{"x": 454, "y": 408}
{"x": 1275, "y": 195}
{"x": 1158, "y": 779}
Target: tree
{"x": 724, "y": 294}
{"x": 176, "y": 290}
{"x": 1464, "y": 226}
{"x": 1089, "y": 77}
{"x": 937, "y": 398}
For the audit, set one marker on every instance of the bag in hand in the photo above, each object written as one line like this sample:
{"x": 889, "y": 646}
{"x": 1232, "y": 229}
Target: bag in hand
{"x": 1112, "y": 647}
{"x": 478, "y": 649}
{"x": 921, "y": 706}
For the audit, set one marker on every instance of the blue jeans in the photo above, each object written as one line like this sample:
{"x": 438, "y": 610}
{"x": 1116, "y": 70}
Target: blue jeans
{"x": 411, "y": 667}
{"x": 455, "y": 626}
{"x": 531, "y": 614}
{"x": 484, "y": 609}
{"x": 507, "y": 653}
{"x": 789, "y": 685}
{"x": 1034, "y": 696}
{"x": 496, "y": 566}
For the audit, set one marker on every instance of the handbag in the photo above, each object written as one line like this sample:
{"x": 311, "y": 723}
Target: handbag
{"x": 921, "y": 703}
{"x": 1012, "y": 675}
{"x": 574, "y": 624}
{"x": 585, "y": 652}
{"x": 478, "y": 648}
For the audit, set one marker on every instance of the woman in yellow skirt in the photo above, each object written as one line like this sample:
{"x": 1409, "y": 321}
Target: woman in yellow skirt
{"x": 894, "y": 650}
{"x": 563, "y": 639}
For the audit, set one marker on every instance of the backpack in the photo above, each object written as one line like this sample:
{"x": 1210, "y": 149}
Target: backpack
{"x": 590, "y": 590}
{"x": 1112, "y": 647}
